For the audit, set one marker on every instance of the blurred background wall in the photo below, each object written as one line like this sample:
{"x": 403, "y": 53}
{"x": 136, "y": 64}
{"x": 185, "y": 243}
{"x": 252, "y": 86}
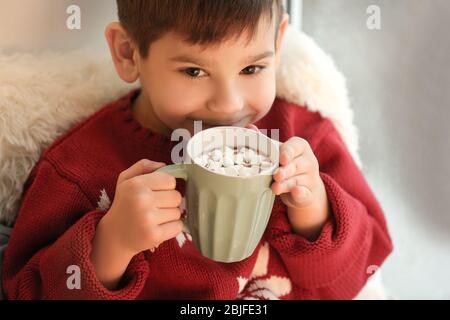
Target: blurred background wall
{"x": 399, "y": 83}
{"x": 41, "y": 24}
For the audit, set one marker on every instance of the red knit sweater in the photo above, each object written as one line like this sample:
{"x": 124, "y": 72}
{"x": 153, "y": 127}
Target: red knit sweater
{"x": 73, "y": 183}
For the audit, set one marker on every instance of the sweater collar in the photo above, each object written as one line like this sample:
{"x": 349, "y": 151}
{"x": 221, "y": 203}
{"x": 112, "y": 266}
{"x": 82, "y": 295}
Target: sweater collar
{"x": 134, "y": 128}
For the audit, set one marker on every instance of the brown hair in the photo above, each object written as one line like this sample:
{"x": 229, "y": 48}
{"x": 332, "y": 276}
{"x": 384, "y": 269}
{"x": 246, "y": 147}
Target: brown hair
{"x": 198, "y": 21}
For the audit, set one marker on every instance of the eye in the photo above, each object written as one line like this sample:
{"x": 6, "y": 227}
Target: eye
{"x": 193, "y": 72}
{"x": 252, "y": 70}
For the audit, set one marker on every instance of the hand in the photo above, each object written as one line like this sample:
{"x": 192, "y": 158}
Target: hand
{"x": 301, "y": 188}
{"x": 145, "y": 212}
{"x": 297, "y": 179}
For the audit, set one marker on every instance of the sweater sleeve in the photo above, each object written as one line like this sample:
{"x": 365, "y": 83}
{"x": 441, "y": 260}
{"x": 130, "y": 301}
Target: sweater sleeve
{"x": 335, "y": 266}
{"x": 48, "y": 253}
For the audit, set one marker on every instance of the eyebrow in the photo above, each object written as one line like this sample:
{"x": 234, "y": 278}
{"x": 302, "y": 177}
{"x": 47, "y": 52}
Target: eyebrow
{"x": 188, "y": 59}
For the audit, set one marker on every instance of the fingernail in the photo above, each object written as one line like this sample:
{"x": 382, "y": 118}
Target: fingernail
{"x": 290, "y": 184}
{"x": 288, "y": 152}
{"x": 303, "y": 193}
{"x": 271, "y": 187}
{"x": 279, "y": 172}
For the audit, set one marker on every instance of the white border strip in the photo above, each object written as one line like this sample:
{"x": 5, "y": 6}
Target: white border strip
{"x": 295, "y": 9}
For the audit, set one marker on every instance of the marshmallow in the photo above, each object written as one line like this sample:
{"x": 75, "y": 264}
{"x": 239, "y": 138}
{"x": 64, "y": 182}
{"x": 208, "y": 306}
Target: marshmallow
{"x": 202, "y": 160}
{"x": 239, "y": 158}
{"x": 231, "y": 171}
{"x": 254, "y": 170}
{"x": 216, "y": 155}
{"x": 228, "y": 161}
{"x": 241, "y": 162}
{"x": 249, "y": 155}
{"x": 213, "y": 165}
{"x": 244, "y": 172}
{"x": 255, "y": 160}
{"x": 228, "y": 151}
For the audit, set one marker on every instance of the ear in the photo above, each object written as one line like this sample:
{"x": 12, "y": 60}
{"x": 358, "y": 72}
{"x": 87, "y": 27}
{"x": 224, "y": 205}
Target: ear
{"x": 280, "y": 36}
{"x": 123, "y": 52}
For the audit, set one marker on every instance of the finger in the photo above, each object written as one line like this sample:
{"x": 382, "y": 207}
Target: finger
{"x": 300, "y": 165}
{"x": 298, "y": 201}
{"x": 157, "y": 181}
{"x": 280, "y": 187}
{"x": 169, "y": 230}
{"x": 252, "y": 127}
{"x": 291, "y": 149}
{"x": 168, "y": 199}
{"x": 165, "y": 215}
{"x": 141, "y": 167}
{"x": 300, "y": 195}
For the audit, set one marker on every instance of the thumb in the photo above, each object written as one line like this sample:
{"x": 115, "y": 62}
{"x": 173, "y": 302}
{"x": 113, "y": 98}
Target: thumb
{"x": 141, "y": 167}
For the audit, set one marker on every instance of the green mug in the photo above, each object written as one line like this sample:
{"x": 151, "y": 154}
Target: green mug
{"x": 226, "y": 215}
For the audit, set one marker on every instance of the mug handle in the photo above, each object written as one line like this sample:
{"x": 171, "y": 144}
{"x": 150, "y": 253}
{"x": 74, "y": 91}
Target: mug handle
{"x": 177, "y": 171}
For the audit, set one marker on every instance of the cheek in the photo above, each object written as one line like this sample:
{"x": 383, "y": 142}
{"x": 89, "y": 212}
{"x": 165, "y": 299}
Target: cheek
{"x": 173, "y": 99}
{"x": 262, "y": 94}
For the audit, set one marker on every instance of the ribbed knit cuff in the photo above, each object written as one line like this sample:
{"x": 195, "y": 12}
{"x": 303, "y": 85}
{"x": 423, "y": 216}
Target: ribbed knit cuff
{"x": 73, "y": 249}
{"x": 316, "y": 264}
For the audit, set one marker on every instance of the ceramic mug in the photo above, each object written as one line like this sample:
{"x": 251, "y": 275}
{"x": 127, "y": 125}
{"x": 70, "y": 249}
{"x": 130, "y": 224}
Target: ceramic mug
{"x": 226, "y": 215}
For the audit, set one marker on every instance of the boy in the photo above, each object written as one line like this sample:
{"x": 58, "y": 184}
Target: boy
{"x": 215, "y": 62}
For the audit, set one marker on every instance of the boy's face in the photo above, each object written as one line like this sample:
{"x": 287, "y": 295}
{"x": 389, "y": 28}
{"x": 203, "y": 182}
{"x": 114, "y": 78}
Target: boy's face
{"x": 232, "y": 83}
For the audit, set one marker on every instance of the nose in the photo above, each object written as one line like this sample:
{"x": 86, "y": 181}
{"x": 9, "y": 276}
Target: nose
{"x": 226, "y": 100}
